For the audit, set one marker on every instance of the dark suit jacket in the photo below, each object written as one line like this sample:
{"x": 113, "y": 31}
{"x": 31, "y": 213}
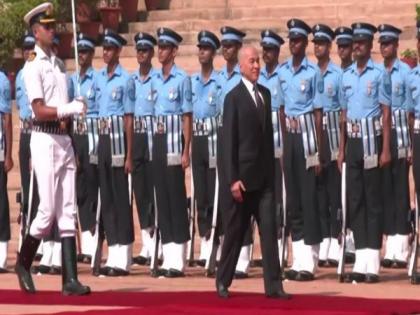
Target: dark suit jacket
{"x": 247, "y": 141}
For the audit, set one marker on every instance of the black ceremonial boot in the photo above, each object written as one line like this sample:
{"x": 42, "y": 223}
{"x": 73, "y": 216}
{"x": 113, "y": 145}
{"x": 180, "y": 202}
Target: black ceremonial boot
{"x": 71, "y": 285}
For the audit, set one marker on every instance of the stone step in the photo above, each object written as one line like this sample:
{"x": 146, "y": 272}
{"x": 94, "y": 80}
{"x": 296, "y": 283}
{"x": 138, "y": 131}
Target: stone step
{"x": 401, "y": 20}
{"x": 304, "y": 10}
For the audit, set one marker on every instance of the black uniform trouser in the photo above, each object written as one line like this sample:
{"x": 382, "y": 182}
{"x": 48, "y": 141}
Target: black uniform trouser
{"x": 171, "y": 195}
{"x": 204, "y": 183}
{"x": 278, "y": 196}
{"x": 416, "y": 164}
{"x": 364, "y": 195}
{"x": 4, "y": 206}
{"x": 301, "y": 192}
{"x": 143, "y": 181}
{"x": 329, "y": 194}
{"x": 259, "y": 204}
{"x": 396, "y": 193}
{"x": 25, "y": 175}
{"x": 86, "y": 184}
{"x": 117, "y": 216}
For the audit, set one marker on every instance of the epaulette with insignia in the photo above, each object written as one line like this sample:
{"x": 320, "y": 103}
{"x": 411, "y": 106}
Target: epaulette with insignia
{"x": 32, "y": 56}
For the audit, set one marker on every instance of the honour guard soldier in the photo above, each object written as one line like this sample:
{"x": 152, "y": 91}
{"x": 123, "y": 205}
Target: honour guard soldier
{"x": 329, "y": 182}
{"x": 270, "y": 78}
{"x": 206, "y": 92}
{"x": 6, "y": 164}
{"x": 414, "y": 119}
{"x": 365, "y": 146}
{"x": 51, "y": 152}
{"x": 344, "y": 40}
{"x": 395, "y": 176}
{"x": 171, "y": 149}
{"x": 85, "y": 130}
{"x": 115, "y": 156}
{"x": 141, "y": 94}
{"x": 301, "y": 120}
{"x": 25, "y": 116}
{"x": 230, "y": 74}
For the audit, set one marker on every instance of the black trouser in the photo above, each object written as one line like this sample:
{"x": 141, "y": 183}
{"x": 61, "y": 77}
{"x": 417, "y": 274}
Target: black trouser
{"x": 259, "y": 204}
{"x": 364, "y": 195}
{"x": 225, "y": 194}
{"x": 25, "y": 175}
{"x": 117, "y": 215}
{"x": 4, "y": 206}
{"x": 278, "y": 195}
{"x": 143, "y": 181}
{"x": 170, "y": 194}
{"x": 204, "y": 184}
{"x": 396, "y": 193}
{"x": 87, "y": 184}
{"x": 329, "y": 193}
{"x": 301, "y": 192}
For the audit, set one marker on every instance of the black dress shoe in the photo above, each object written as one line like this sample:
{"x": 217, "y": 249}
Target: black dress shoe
{"x": 140, "y": 260}
{"x": 84, "y": 259}
{"x": 38, "y": 257}
{"x": 240, "y": 275}
{"x": 332, "y": 263}
{"x": 399, "y": 264}
{"x": 158, "y": 273}
{"x": 4, "y": 270}
{"x": 173, "y": 273}
{"x": 415, "y": 279}
{"x": 280, "y": 294}
{"x": 290, "y": 274}
{"x": 25, "y": 279}
{"x": 387, "y": 263}
{"x": 201, "y": 262}
{"x": 103, "y": 271}
{"x": 42, "y": 269}
{"x": 304, "y": 275}
{"x": 322, "y": 263}
{"x": 55, "y": 270}
{"x": 222, "y": 291}
{"x": 349, "y": 258}
{"x": 117, "y": 272}
{"x": 371, "y": 278}
{"x": 354, "y": 276}
{"x": 255, "y": 263}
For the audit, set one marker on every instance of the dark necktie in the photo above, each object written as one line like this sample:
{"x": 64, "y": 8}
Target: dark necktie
{"x": 260, "y": 105}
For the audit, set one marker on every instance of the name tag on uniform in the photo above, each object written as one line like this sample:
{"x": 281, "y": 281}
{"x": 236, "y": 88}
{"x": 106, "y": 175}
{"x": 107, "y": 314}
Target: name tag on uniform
{"x": 303, "y": 84}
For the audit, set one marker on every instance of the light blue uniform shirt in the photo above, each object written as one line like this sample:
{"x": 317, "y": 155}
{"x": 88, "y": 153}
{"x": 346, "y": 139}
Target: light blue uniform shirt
{"x": 111, "y": 93}
{"x": 228, "y": 81}
{"x": 206, "y": 96}
{"x": 414, "y": 91}
{"x": 273, "y": 83}
{"x": 22, "y": 101}
{"x": 362, "y": 94}
{"x": 300, "y": 87}
{"x": 5, "y": 95}
{"x": 140, "y": 93}
{"x": 400, "y": 85}
{"x": 329, "y": 99}
{"x": 88, "y": 86}
{"x": 173, "y": 95}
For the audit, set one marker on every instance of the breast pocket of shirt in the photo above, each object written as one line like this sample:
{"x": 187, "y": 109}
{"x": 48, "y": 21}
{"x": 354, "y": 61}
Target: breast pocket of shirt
{"x": 398, "y": 91}
{"x": 173, "y": 98}
{"x": 331, "y": 89}
{"x": 303, "y": 90}
{"x": 116, "y": 95}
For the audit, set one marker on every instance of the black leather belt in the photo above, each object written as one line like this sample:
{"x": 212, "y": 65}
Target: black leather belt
{"x": 56, "y": 127}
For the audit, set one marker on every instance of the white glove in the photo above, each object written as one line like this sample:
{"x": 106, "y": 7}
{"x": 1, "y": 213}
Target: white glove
{"x": 76, "y": 107}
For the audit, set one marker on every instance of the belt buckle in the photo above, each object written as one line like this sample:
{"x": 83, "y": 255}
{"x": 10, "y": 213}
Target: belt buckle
{"x": 103, "y": 125}
{"x": 355, "y": 128}
{"x": 160, "y": 127}
{"x": 26, "y": 124}
{"x": 294, "y": 124}
{"x": 63, "y": 126}
{"x": 81, "y": 126}
{"x": 138, "y": 125}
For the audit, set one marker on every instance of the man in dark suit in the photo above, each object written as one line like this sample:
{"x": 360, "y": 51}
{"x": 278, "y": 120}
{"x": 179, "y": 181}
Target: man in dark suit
{"x": 248, "y": 162}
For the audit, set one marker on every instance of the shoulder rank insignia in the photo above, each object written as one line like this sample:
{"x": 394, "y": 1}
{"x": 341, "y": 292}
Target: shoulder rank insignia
{"x": 32, "y": 56}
